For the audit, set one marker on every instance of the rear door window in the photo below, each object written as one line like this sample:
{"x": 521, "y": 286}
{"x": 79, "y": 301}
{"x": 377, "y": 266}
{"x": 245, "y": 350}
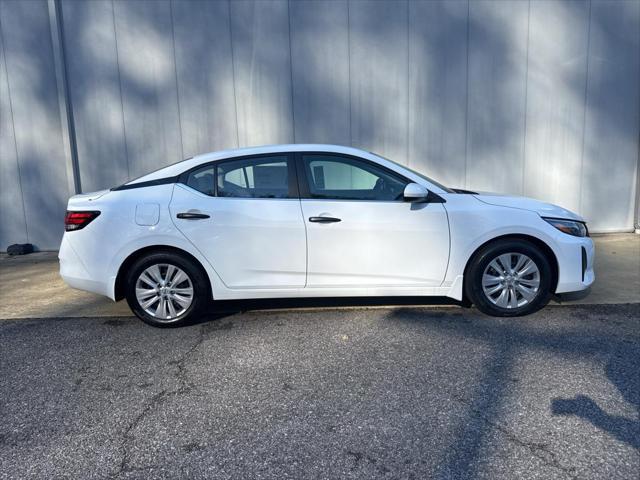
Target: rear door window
{"x": 202, "y": 180}
{"x": 260, "y": 177}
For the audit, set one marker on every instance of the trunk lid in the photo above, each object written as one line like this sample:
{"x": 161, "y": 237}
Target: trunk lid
{"x": 85, "y": 199}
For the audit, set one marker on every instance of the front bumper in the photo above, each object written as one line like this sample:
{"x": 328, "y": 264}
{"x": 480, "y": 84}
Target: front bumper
{"x": 575, "y": 264}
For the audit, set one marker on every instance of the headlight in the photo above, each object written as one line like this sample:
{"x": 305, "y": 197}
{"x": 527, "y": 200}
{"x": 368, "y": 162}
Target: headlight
{"x": 570, "y": 227}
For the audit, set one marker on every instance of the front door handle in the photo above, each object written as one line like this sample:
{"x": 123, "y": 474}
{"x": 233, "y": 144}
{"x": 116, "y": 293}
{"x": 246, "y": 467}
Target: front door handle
{"x": 324, "y": 219}
{"x": 192, "y": 216}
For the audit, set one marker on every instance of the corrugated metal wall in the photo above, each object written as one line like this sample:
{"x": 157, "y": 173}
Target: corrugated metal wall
{"x": 539, "y": 98}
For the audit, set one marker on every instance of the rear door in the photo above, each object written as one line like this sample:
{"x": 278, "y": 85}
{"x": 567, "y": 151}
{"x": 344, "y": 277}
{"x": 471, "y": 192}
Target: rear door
{"x": 360, "y": 232}
{"x": 244, "y": 216}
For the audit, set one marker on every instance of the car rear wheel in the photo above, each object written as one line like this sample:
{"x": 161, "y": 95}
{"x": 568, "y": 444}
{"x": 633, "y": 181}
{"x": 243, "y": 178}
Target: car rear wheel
{"x": 166, "y": 289}
{"x": 509, "y": 278}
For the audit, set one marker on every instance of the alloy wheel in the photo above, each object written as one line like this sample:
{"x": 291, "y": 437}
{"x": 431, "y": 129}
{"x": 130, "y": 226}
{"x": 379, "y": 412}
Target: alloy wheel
{"x": 511, "y": 280}
{"x": 164, "y": 291}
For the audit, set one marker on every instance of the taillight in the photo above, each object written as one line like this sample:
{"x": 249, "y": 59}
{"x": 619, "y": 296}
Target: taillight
{"x": 77, "y": 220}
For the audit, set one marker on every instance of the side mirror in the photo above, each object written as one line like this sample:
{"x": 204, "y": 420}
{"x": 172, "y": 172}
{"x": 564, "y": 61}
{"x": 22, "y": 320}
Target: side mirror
{"x": 414, "y": 192}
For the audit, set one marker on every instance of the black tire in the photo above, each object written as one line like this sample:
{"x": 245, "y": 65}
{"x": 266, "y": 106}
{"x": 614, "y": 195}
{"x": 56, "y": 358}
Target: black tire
{"x": 476, "y": 269}
{"x": 197, "y": 280}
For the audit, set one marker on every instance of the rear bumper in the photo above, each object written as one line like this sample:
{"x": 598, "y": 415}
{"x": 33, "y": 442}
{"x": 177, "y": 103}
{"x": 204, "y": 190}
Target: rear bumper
{"x": 75, "y": 274}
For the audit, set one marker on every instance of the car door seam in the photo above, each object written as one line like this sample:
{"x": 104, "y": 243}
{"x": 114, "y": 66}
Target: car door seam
{"x": 189, "y": 240}
{"x": 306, "y": 241}
{"x": 446, "y": 270}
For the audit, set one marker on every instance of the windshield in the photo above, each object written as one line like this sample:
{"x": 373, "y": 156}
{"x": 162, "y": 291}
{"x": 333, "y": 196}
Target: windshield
{"x": 421, "y": 175}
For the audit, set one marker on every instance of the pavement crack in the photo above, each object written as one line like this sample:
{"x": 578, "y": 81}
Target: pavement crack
{"x": 360, "y": 459}
{"x": 538, "y": 449}
{"x": 185, "y": 386}
{"x": 128, "y": 436}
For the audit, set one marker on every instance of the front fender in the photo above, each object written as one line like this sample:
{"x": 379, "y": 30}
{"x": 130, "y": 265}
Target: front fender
{"x": 473, "y": 224}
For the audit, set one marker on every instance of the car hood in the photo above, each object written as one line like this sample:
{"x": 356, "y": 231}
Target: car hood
{"x": 542, "y": 208}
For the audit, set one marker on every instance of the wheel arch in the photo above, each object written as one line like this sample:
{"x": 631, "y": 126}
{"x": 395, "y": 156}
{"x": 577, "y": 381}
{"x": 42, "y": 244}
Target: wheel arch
{"x": 543, "y": 246}
{"x": 130, "y": 260}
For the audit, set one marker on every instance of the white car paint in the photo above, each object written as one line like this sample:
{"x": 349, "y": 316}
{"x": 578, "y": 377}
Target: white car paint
{"x": 524, "y": 203}
{"x": 252, "y": 243}
{"x": 266, "y": 248}
{"x": 368, "y": 248}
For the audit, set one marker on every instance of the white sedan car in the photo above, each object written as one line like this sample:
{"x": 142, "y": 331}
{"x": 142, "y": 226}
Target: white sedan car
{"x": 315, "y": 221}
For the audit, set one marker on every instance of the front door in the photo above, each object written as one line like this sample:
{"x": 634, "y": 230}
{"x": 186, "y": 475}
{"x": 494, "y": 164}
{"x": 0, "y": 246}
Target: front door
{"x": 244, "y": 216}
{"x": 360, "y": 232}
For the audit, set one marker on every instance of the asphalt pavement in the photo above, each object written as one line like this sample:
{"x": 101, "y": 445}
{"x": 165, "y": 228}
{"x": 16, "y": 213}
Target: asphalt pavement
{"x": 402, "y": 392}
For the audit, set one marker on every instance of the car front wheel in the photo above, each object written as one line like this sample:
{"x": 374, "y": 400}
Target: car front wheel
{"x": 166, "y": 289}
{"x": 509, "y": 278}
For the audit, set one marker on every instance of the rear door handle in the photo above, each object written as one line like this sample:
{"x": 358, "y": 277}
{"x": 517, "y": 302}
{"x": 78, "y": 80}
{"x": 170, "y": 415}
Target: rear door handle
{"x": 192, "y": 216}
{"x": 324, "y": 219}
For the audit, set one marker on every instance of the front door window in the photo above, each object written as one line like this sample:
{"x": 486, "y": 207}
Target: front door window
{"x": 345, "y": 178}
